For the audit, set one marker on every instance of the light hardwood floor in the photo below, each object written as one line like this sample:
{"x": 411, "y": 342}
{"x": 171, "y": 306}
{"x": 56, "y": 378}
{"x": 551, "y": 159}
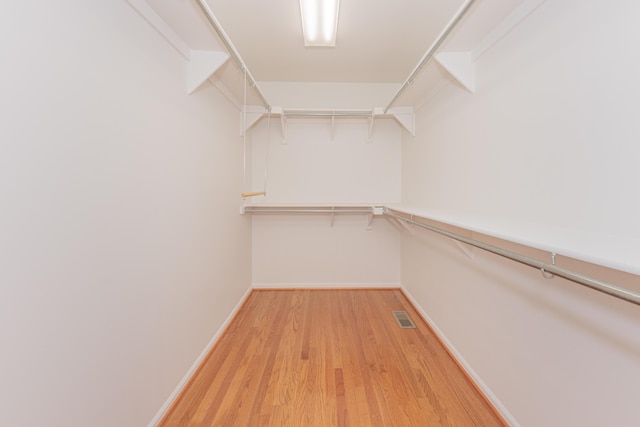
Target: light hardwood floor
{"x": 306, "y": 358}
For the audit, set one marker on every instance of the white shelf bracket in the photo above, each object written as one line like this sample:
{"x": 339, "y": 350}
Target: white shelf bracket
{"x": 283, "y": 126}
{"x": 252, "y": 113}
{"x": 370, "y": 222}
{"x": 460, "y": 66}
{"x": 403, "y": 225}
{"x": 370, "y": 127}
{"x": 546, "y": 275}
{"x": 468, "y": 250}
{"x": 333, "y": 215}
{"x": 333, "y": 126}
{"x": 201, "y": 66}
{"x": 406, "y": 117}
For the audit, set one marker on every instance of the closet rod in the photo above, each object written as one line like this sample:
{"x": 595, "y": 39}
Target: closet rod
{"x": 431, "y": 51}
{"x": 598, "y": 285}
{"x": 328, "y": 113}
{"x": 250, "y": 209}
{"x": 232, "y": 50}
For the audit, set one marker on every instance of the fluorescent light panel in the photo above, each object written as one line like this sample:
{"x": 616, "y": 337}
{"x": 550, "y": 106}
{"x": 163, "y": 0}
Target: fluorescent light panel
{"x": 319, "y": 21}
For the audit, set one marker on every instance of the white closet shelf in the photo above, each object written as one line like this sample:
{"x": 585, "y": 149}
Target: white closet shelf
{"x": 331, "y": 208}
{"x": 611, "y": 251}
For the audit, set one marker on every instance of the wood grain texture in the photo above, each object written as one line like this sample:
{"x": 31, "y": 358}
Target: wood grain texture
{"x": 329, "y": 358}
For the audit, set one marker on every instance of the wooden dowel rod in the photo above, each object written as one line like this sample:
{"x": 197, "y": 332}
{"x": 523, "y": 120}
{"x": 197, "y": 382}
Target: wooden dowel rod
{"x": 253, "y": 193}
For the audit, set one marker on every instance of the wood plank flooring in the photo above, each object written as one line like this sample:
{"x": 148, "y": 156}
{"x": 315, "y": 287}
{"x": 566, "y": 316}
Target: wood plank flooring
{"x": 328, "y": 358}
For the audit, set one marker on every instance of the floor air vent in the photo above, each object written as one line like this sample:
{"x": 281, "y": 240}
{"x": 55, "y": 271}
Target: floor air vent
{"x": 403, "y": 319}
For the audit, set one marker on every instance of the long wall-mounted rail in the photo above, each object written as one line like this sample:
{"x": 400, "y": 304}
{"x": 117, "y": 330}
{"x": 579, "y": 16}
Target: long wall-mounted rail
{"x": 404, "y": 116}
{"x": 370, "y": 211}
{"x": 314, "y": 210}
{"x": 232, "y": 50}
{"x": 545, "y": 268}
{"x": 431, "y": 51}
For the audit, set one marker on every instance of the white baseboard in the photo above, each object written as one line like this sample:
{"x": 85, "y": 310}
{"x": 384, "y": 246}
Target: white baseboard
{"x": 463, "y": 363}
{"x": 324, "y": 285}
{"x": 156, "y": 419}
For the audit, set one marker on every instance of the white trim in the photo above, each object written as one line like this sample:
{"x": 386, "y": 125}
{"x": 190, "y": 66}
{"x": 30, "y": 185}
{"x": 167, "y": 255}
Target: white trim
{"x": 394, "y": 285}
{"x": 508, "y": 417}
{"x": 161, "y": 26}
{"x": 505, "y": 26}
{"x": 156, "y": 419}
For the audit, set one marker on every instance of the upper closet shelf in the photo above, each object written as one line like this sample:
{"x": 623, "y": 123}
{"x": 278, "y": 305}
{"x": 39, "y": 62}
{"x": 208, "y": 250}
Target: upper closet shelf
{"x": 315, "y": 208}
{"x": 370, "y": 210}
{"x": 611, "y": 251}
{"x": 404, "y": 116}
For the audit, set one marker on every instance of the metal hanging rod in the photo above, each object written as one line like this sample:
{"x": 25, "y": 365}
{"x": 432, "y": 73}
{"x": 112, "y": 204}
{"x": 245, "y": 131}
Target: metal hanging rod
{"x": 327, "y": 113}
{"x": 253, "y": 209}
{"x": 431, "y": 51}
{"x": 232, "y": 50}
{"x": 598, "y": 285}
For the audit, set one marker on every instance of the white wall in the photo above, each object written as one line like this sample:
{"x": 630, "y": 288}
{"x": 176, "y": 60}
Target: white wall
{"x": 121, "y": 248}
{"x": 550, "y": 137}
{"x": 312, "y": 167}
{"x": 330, "y": 95}
{"x": 553, "y": 118}
{"x": 305, "y": 250}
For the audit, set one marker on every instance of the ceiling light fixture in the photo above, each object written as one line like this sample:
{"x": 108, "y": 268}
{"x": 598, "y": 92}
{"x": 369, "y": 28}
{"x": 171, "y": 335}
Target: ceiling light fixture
{"x": 319, "y": 21}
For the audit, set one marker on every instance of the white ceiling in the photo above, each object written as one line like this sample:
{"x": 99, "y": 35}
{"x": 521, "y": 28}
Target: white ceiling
{"x": 378, "y": 41}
